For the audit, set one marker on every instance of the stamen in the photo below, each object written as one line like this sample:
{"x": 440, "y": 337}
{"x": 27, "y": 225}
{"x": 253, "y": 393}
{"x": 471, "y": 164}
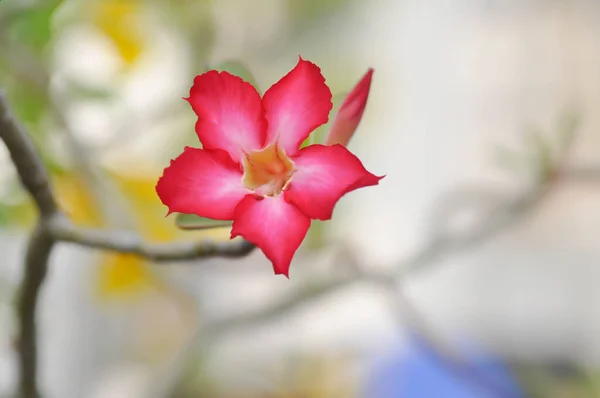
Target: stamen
{"x": 268, "y": 171}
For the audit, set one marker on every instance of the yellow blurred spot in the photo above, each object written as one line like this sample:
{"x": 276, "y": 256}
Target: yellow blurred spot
{"x": 75, "y": 200}
{"x": 119, "y": 275}
{"x": 119, "y": 21}
{"x": 126, "y": 275}
{"x": 123, "y": 276}
{"x": 149, "y": 211}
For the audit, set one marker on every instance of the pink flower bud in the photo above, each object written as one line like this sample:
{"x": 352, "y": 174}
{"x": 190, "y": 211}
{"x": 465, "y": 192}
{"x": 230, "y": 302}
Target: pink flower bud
{"x": 350, "y": 113}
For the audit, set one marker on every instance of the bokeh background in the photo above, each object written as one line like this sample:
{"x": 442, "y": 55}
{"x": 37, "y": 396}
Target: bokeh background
{"x": 473, "y": 103}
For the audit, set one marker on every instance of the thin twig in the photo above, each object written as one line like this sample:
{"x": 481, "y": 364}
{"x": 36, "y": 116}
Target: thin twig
{"x": 504, "y": 217}
{"x": 30, "y": 168}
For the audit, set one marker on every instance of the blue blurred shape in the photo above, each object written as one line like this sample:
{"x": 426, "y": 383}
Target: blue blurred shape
{"x": 420, "y": 372}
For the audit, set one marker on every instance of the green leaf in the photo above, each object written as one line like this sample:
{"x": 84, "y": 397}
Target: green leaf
{"x": 238, "y": 69}
{"x": 194, "y": 222}
{"x": 34, "y": 26}
{"x": 319, "y": 135}
{"x": 30, "y": 104}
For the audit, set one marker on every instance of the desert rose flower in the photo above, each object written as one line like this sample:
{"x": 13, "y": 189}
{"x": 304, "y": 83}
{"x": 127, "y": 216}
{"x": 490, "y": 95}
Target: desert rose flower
{"x": 251, "y": 169}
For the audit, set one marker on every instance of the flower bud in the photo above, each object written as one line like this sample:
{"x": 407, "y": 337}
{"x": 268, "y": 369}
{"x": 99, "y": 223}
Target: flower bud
{"x": 350, "y": 113}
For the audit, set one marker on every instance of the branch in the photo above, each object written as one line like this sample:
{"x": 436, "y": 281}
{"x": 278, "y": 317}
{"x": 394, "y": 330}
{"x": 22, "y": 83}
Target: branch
{"x": 30, "y": 168}
{"x": 504, "y": 216}
{"x": 53, "y": 226}
{"x": 33, "y": 175}
{"x": 127, "y": 242}
{"x": 36, "y": 266}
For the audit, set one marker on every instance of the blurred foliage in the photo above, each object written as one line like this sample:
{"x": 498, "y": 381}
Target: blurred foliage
{"x": 194, "y": 21}
{"x": 237, "y": 68}
{"x": 32, "y": 26}
{"x": 559, "y": 380}
{"x": 311, "y": 11}
{"x": 541, "y": 153}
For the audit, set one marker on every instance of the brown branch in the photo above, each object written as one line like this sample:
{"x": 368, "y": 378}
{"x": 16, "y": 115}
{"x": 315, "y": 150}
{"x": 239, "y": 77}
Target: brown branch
{"x": 128, "y": 242}
{"x": 53, "y": 227}
{"x": 36, "y": 266}
{"x": 33, "y": 176}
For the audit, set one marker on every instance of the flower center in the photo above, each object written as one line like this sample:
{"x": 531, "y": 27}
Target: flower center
{"x": 268, "y": 171}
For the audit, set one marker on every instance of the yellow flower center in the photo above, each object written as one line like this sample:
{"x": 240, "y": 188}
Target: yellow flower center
{"x": 268, "y": 171}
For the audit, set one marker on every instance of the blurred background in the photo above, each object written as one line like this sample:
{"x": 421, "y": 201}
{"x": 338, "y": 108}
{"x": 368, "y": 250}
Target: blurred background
{"x": 482, "y": 114}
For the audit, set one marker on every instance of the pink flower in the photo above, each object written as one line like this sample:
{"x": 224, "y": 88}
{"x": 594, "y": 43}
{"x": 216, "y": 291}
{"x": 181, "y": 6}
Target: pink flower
{"x": 251, "y": 169}
{"x": 350, "y": 113}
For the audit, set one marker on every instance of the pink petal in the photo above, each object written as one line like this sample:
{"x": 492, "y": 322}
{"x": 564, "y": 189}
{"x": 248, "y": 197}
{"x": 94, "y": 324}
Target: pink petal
{"x": 323, "y": 175}
{"x": 230, "y": 115}
{"x": 296, "y": 105}
{"x": 273, "y": 225}
{"x": 203, "y": 182}
{"x": 350, "y": 113}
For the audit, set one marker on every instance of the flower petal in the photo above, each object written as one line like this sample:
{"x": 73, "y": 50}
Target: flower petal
{"x": 273, "y": 225}
{"x": 230, "y": 114}
{"x": 296, "y": 105}
{"x": 203, "y": 182}
{"x": 323, "y": 175}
